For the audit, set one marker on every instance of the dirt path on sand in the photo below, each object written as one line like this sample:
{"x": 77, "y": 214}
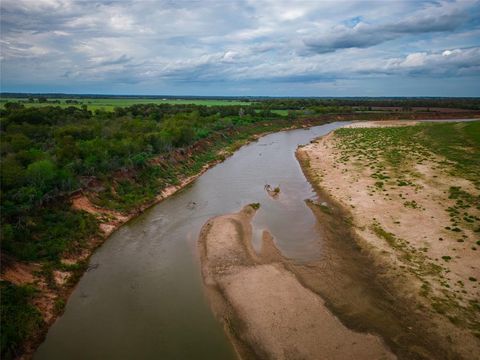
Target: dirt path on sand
{"x": 267, "y": 312}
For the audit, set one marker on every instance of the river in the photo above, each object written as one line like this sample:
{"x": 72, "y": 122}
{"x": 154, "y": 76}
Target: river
{"x": 143, "y": 297}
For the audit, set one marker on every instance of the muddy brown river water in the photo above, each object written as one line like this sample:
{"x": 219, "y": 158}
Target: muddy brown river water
{"x": 143, "y": 297}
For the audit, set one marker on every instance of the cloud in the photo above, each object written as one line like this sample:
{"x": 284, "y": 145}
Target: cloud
{"x": 433, "y": 18}
{"x": 121, "y": 60}
{"x": 450, "y": 62}
{"x": 162, "y": 46}
{"x": 361, "y": 35}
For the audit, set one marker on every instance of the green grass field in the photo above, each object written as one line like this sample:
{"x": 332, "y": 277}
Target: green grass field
{"x": 108, "y": 104}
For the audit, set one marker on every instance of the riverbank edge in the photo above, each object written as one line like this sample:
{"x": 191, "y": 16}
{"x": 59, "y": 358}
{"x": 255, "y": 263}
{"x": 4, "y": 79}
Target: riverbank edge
{"x": 402, "y": 290}
{"x": 50, "y": 299}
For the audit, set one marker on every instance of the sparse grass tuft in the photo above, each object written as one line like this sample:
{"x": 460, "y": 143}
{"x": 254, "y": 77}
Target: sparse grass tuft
{"x": 255, "y": 206}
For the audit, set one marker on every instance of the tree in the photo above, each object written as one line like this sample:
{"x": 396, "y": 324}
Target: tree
{"x": 41, "y": 173}
{"x": 12, "y": 172}
{"x": 19, "y": 142}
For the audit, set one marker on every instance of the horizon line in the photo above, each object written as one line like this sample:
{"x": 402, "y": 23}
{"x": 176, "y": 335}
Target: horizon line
{"x": 11, "y": 93}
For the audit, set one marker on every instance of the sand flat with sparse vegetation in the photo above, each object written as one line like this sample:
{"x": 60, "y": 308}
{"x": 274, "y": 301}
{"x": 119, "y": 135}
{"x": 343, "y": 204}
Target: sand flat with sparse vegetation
{"x": 413, "y": 192}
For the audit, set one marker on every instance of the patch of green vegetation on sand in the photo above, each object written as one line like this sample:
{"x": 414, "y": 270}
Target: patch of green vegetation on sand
{"x": 453, "y": 147}
{"x": 457, "y": 142}
{"x": 393, "y": 158}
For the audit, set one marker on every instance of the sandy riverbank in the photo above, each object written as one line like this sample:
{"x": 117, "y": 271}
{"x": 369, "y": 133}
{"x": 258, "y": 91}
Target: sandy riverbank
{"x": 267, "y": 311}
{"x": 402, "y": 228}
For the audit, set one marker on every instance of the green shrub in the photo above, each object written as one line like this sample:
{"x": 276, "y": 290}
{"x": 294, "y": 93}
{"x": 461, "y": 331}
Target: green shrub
{"x": 19, "y": 318}
{"x": 47, "y": 233}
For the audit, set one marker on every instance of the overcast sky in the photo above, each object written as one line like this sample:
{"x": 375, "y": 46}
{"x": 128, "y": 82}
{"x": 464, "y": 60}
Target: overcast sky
{"x": 250, "y": 47}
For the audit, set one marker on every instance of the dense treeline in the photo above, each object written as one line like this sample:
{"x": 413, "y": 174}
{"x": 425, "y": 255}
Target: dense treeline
{"x": 47, "y": 153}
{"x": 157, "y": 112}
{"x": 365, "y": 103}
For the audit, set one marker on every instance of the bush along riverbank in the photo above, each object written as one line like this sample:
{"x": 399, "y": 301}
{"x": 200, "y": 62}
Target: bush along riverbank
{"x": 69, "y": 177}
